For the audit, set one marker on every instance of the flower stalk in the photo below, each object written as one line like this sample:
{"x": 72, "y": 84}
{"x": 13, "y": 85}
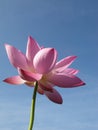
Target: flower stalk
{"x": 32, "y": 113}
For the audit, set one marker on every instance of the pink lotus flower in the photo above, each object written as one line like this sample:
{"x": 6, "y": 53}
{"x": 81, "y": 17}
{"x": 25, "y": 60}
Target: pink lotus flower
{"x": 40, "y": 64}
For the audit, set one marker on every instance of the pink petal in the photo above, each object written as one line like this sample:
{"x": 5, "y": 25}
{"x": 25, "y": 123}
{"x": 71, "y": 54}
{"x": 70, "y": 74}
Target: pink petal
{"x": 71, "y": 71}
{"x": 54, "y": 96}
{"x": 29, "y": 76}
{"x": 65, "y": 81}
{"x": 16, "y": 57}
{"x": 16, "y": 80}
{"x": 64, "y": 63}
{"x": 32, "y": 49}
{"x": 45, "y": 85}
{"x": 45, "y": 60}
{"x": 40, "y": 91}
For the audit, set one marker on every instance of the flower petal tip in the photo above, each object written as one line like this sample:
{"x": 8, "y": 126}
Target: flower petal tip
{"x": 30, "y": 38}
{"x": 4, "y": 80}
{"x": 61, "y": 102}
{"x": 7, "y": 46}
{"x": 83, "y": 83}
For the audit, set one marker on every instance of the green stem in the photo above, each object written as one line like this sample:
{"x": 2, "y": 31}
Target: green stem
{"x": 33, "y": 107}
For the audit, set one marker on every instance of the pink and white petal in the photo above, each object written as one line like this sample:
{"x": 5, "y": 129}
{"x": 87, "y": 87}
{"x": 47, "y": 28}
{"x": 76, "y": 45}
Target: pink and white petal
{"x": 16, "y": 57}
{"x": 45, "y": 60}
{"x": 16, "y": 80}
{"x": 70, "y": 71}
{"x": 54, "y": 96}
{"x": 65, "y": 81}
{"x": 66, "y": 70}
{"x": 32, "y": 48}
{"x": 64, "y": 63}
{"x": 29, "y": 76}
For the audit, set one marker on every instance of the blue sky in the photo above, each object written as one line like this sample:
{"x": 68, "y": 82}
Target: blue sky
{"x": 70, "y": 26}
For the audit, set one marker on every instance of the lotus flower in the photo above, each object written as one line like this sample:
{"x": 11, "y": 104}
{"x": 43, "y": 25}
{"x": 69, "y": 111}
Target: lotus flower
{"x": 41, "y": 65}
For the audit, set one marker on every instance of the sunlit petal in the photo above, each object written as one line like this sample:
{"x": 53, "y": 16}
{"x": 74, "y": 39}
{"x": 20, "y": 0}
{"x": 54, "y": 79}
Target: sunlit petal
{"x": 67, "y": 71}
{"x": 16, "y": 80}
{"x": 16, "y": 57}
{"x": 64, "y": 63}
{"x": 70, "y": 71}
{"x": 32, "y": 48}
{"x": 45, "y": 60}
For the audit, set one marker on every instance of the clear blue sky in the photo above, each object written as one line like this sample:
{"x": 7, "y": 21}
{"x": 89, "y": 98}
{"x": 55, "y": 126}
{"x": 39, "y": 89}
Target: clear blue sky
{"x": 71, "y": 26}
